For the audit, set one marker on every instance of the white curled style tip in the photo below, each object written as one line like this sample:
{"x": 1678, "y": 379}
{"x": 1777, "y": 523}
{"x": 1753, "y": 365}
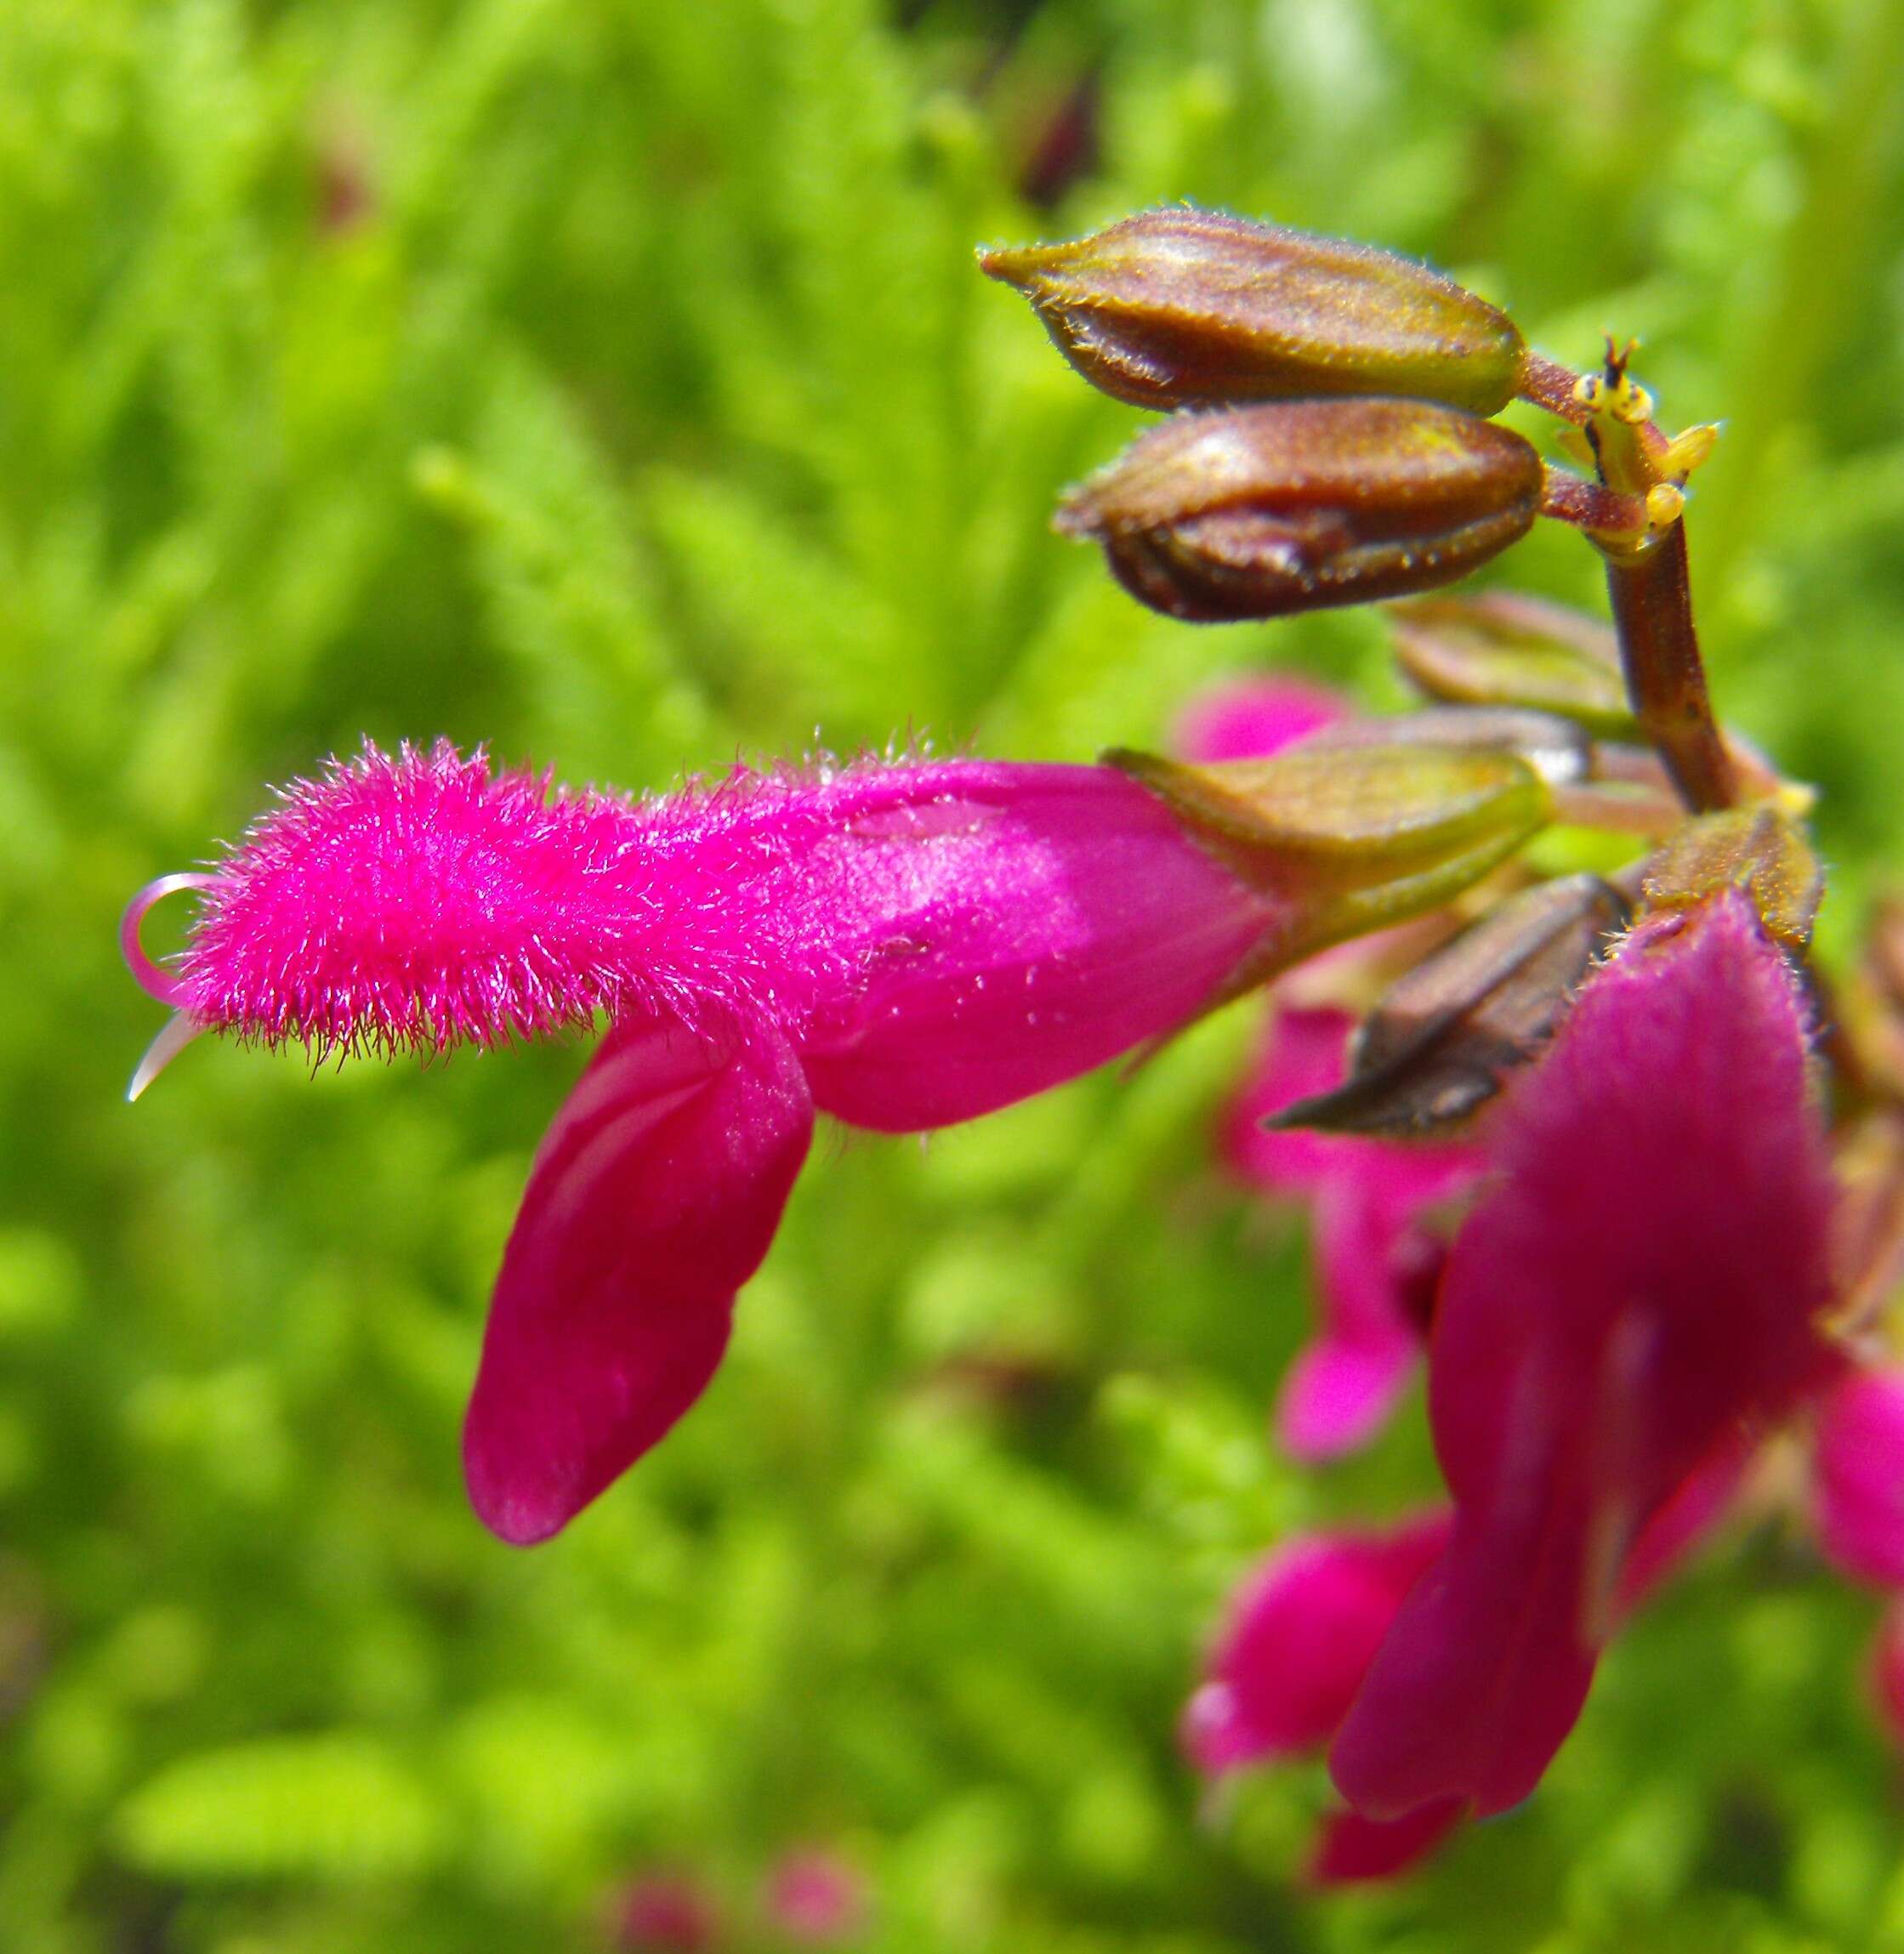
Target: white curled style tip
{"x": 181, "y": 1028}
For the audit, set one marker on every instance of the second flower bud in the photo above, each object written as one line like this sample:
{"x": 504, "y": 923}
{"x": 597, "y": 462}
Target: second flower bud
{"x": 1260, "y": 512}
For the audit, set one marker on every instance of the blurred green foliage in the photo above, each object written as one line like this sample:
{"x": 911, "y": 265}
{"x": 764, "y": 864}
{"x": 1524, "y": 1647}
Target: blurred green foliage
{"x": 609, "y": 380}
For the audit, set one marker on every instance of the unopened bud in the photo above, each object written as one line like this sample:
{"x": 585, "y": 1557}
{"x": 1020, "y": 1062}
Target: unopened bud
{"x": 1352, "y": 838}
{"x": 1174, "y": 307}
{"x": 1499, "y": 650}
{"x": 1442, "y": 1041}
{"x": 1266, "y": 511}
{"x": 1760, "y": 850}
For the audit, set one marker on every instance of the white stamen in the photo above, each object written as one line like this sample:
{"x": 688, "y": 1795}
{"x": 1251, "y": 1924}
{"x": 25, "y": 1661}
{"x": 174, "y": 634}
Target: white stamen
{"x": 178, "y": 1031}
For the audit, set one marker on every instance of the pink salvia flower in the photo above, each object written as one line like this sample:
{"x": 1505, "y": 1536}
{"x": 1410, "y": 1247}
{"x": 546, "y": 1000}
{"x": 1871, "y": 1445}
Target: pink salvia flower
{"x": 902, "y": 945}
{"x": 1642, "y": 1282}
{"x": 1302, "y": 1630}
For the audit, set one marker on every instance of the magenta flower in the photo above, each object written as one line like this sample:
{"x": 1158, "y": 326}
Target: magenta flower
{"x": 902, "y": 945}
{"x": 665, "y": 1913}
{"x": 1301, "y": 1632}
{"x": 1641, "y": 1287}
{"x": 1251, "y": 718}
{"x": 1376, "y": 1265}
{"x": 817, "y": 1897}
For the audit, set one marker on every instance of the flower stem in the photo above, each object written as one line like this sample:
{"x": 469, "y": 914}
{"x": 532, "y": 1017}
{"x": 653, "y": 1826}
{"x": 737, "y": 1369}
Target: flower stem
{"x": 1571, "y": 499}
{"x": 1659, "y": 652}
{"x": 1547, "y": 384}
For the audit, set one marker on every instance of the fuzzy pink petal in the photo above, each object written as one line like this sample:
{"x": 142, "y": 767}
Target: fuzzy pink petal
{"x": 1352, "y": 1850}
{"x": 1026, "y": 927}
{"x": 1859, "y": 1454}
{"x": 1254, "y": 717}
{"x": 1301, "y": 1632}
{"x": 1644, "y": 1279}
{"x": 655, "y": 1196}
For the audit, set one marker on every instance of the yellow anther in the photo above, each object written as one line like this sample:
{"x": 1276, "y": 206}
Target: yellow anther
{"x": 1587, "y": 390}
{"x": 1665, "y": 505}
{"x": 1686, "y": 451}
{"x": 1632, "y": 403}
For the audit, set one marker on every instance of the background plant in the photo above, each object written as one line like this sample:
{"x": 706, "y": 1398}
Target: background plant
{"x": 612, "y": 382}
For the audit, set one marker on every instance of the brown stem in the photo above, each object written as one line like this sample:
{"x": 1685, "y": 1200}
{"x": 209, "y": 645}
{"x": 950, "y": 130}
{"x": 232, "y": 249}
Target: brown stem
{"x": 1571, "y": 499}
{"x": 1659, "y": 650}
{"x": 1549, "y": 384}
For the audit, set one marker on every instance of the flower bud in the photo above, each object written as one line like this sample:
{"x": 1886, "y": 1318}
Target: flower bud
{"x": 1351, "y": 838}
{"x": 1504, "y": 649}
{"x": 1267, "y": 511}
{"x": 1174, "y": 307}
{"x": 1443, "y": 1040}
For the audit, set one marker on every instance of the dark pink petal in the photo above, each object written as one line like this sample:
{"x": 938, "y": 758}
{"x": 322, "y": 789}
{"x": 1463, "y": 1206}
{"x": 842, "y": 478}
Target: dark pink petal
{"x": 1024, "y": 926}
{"x": 1887, "y": 1672}
{"x": 1858, "y": 1450}
{"x": 1699, "y": 1505}
{"x": 655, "y": 1196}
{"x": 1352, "y": 1850}
{"x": 1643, "y": 1281}
{"x": 1254, "y": 717}
{"x": 1301, "y": 1632}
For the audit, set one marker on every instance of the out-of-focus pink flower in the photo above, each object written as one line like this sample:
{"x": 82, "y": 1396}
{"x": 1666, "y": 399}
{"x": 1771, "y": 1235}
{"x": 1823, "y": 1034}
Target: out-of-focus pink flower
{"x": 1375, "y": 1264}
{"x": 815, "y": 1897}
{"x": 902, "y": 945}
{"x": 1644, "y": 1281}
{"x": 1251, "y": 718}
{"x": 1858, "y": 1475}
{"x": 665, "y": 1913}
{"x": 1300, "y": 1634}
{"x": 1887, "y": 1670}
